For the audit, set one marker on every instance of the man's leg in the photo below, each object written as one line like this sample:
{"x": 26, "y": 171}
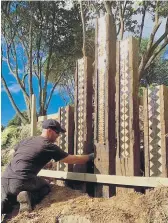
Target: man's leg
{"x": 4, "y": 198}
{"x": 7, "y": 198}
{"x": 34, "y": 191}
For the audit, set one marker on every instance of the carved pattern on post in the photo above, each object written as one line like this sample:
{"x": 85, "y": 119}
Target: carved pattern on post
{"x": 63, "y": 137}
{"x": 80, "y": 109}
{"x": 124, "y": 99}
{"x": 127, "y": 110}
{"x": 101, "y": 66}
{"x": 83, "y": 137}
{"x": 66, "y": 142}
{"x": 155, "y": 125}
{"x": 154, "y": 132}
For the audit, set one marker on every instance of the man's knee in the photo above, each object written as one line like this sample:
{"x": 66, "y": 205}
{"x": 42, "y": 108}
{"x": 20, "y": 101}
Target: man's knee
{"x": 38, "y": 195}
{"x": 45, "y": 190}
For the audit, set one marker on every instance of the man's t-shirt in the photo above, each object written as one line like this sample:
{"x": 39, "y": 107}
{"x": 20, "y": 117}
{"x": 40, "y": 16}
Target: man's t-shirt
{"x": 30, "y": 157}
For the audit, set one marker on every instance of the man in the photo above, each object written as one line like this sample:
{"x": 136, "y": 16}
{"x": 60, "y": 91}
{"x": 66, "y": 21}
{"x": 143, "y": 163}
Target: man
{"x": 31, "y": 155}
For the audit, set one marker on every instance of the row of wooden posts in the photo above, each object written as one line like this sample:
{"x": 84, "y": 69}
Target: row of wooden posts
{"x": 105, "y": 116}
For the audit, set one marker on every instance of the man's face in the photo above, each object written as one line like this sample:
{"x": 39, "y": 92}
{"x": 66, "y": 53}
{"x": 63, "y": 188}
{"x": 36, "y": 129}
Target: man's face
{"x": 53, "y": 135}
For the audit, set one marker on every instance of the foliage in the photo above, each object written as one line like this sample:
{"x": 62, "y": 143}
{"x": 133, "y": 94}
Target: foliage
{"x": 13, "y": 135}
{"x": 157, "y": 72}
{"x": 16, "y": 121}
{"x": 2, "y": 128}
{"x": 4, "y": 159}
{"x": 9, "y": 136}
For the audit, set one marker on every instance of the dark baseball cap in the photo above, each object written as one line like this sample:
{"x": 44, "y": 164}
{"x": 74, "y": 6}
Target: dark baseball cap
{"x": 54, "y": 125}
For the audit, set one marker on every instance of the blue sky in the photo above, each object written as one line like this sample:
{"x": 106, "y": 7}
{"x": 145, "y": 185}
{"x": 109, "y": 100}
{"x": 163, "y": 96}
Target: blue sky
{"x": 7, "y": 111}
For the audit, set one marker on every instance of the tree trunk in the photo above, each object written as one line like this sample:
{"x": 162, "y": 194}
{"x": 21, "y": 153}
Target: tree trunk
{"x": 84, "y": 30}
{"x": 143, "y": 20}
{"x": 30, "y": 60}
{"x": 107, "y": 5}
{"x": 121, "y": 21}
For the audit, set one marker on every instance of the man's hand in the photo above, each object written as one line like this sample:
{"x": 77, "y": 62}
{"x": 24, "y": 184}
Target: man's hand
{"x": 48, "y": 165}
{"x": 78, "y": 159}
{"x": 91, "y": 157}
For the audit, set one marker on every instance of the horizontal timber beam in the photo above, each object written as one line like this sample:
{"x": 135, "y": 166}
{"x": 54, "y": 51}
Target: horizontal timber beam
{"x": 106, "y": 179}
{"x": 52, "y": 116}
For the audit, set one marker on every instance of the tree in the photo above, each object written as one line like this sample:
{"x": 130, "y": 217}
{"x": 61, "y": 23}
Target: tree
{"x": 157, "y": 72}
{"x": 123, "y": 15}
{"x": 83, "y": 45}
{"x": 33, "y": 33}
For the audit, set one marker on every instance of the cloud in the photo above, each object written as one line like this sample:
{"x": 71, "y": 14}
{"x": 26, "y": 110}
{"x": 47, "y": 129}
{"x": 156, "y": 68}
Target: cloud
{"x": 13, "y": 88}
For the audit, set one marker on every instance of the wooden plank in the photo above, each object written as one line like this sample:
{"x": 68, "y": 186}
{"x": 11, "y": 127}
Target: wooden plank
{"x": 106, "y": 179}
{"x": 33, "y": 117}
{"x": 52, "y": 116}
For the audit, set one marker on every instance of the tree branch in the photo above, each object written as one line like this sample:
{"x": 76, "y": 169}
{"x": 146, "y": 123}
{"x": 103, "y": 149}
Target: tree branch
{"x": 156, "y": 53}
{"x": 30, "y": 58}
{"x": 51, "y": 93}
{"x": 156, "y": 44}
{"x": 107, "y": 5}
{"x": 24, "y": 120}
{"x": 23, "y": 79}
{"x": 155, "y": 28}
{"x": 143, "y": 20}
{"x": 48, "y": 61}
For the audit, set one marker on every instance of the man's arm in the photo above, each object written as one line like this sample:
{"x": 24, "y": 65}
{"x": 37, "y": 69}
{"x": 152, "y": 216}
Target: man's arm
{"x": 78, "y": 159}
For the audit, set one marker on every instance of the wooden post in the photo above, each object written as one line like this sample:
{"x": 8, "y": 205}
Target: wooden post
{"x": 83, "y": 137}
{"x": 127, "y": 111}
{"x": 104, "y": 127}
{"x": 155, "y": 129}
{"x": 33, "y": 116}
{"x": 66, "y": 140}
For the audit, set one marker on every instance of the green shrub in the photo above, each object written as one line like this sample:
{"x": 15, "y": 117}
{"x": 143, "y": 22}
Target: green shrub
{"x": 16, "y": 120}
{"x": 13, "y": 135}
{"x": 9, "y": 136}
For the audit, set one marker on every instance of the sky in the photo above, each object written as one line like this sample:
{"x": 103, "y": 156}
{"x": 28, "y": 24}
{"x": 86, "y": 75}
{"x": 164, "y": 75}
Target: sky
{"x": 8, "y": 112}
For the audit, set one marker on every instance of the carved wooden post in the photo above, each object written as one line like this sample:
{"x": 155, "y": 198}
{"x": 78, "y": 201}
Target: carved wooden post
{"x": 83, "y": 136}
{"x": 155, "y": 129}
{"x": 66, "y": 141}
{"x": 127, "y": 110}
{"x": 33, "y": 116}
{"x": 104, "y": 128}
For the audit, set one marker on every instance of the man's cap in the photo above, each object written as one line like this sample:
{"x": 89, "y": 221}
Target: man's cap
{"x": 54, "y": 125}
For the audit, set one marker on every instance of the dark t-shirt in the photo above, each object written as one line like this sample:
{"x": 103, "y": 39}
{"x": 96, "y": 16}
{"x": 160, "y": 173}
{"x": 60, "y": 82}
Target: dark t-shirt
{"x": 30, "y": 157}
